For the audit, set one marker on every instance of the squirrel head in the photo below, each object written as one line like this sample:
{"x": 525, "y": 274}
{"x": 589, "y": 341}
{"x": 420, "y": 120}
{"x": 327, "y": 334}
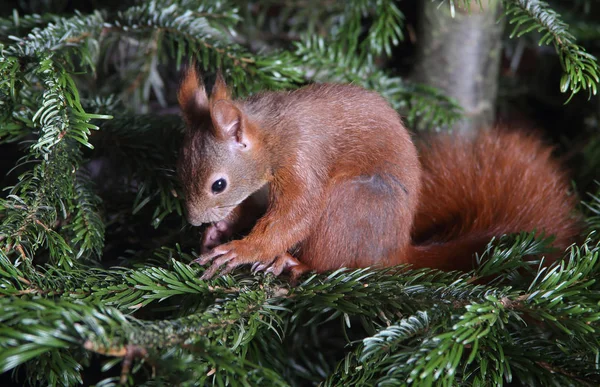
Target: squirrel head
{"x": 222, "y": 159}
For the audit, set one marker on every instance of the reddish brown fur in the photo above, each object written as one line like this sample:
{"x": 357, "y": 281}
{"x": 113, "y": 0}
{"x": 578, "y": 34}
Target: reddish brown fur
{"x": 220, "y": 90}
{"x": 190, "y": 89}
{"x": 345, "y": 182}
{"x": 500, "y": 182}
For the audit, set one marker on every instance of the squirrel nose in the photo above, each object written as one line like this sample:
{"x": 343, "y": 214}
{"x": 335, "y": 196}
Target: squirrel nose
{"x": 197, "y": 217}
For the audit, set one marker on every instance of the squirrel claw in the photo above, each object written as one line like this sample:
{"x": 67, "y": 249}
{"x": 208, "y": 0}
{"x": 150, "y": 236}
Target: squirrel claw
{"x": 223, "y": 250}
{"x": 228, "y": 258}
{"x": 258, "y": 266}
{"x": 283, "y": 262}
{"x": 205, "y": 258}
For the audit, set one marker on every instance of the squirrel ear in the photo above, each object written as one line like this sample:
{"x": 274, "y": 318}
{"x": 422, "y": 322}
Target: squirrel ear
{"x": 228, "y": 121}
{"x": 220, "y": 90}
{"x": 192, "y": 96}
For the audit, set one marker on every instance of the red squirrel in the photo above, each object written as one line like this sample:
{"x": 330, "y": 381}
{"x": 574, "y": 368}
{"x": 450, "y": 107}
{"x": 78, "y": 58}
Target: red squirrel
{"x": 344, "y": 185}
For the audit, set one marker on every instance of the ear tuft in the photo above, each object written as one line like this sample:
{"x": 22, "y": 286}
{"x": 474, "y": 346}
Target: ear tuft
{"x": 220, "y": 90}
{"x": 192, "y": 96}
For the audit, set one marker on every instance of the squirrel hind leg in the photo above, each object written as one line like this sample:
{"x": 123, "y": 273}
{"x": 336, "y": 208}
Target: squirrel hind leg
{"x": 366, "y": 222}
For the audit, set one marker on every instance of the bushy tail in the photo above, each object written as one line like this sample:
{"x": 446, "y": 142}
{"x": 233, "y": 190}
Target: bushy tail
{"x": 497, "y": 183}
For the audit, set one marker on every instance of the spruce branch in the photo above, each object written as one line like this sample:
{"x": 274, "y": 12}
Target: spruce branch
{"x": 481, "y": 314}
{"x": 63, "y": 324}
{"x": 32, "y": 208}
{"x": 345, "y": 55}
{"x": 181, "y": 28}
{"x": 76, "y": 35}
{"x": 62, "y": 121}
{"x": 86, "y": 225}
{"x": 25, "y": 335}
{"x": 18, "y": 24}
{"x": 580, "y": 68}
{"x": 384, "y": 32}
{"x": 592, "y": 207}
{"x": 14, "y": 117}
{"x": 58, "y": 367}
{"x": 477, "y": 347}
{"x": 472, "y": 328}
{"x": 503, "y": 258}
{"x": 61, "y": 115}
{"x": 553, "y": 288}
{"x": 571, "y": 364}
{"x": 425, "y": 107}
{"x": 388, "y": 339}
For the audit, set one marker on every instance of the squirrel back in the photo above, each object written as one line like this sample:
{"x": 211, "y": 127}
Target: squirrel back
{"x": 498, "y": 182}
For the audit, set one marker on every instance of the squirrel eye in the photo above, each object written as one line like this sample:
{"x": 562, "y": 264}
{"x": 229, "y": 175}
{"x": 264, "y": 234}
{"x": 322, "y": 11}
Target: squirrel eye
{"x": 219, "y": 186}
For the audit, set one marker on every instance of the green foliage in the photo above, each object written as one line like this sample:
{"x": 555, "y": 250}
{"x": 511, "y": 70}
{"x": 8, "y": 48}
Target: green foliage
{"x": 425, "y": 107}
{"x": 94, "y": 181}
{"x": 593, "y": 209}
{"x": 87, "y": 226}
{"x": 479, "y": 339}
{"x": 178, "y": 26}
{"x": 580, "y": 68}
{"x": 453, "y": 331}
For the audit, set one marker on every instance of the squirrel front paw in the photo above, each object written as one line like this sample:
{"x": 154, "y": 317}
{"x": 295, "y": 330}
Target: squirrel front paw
{"x": 239, "y": 252}
{"x": 232, "y": 255}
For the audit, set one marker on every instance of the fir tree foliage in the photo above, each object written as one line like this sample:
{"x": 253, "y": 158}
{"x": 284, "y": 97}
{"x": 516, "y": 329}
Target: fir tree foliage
{"x": 580, "y": 68}
{"x": 96, "y": 169}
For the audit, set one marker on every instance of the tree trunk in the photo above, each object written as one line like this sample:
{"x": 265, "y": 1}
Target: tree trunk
{"x": 461, "y": 56}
